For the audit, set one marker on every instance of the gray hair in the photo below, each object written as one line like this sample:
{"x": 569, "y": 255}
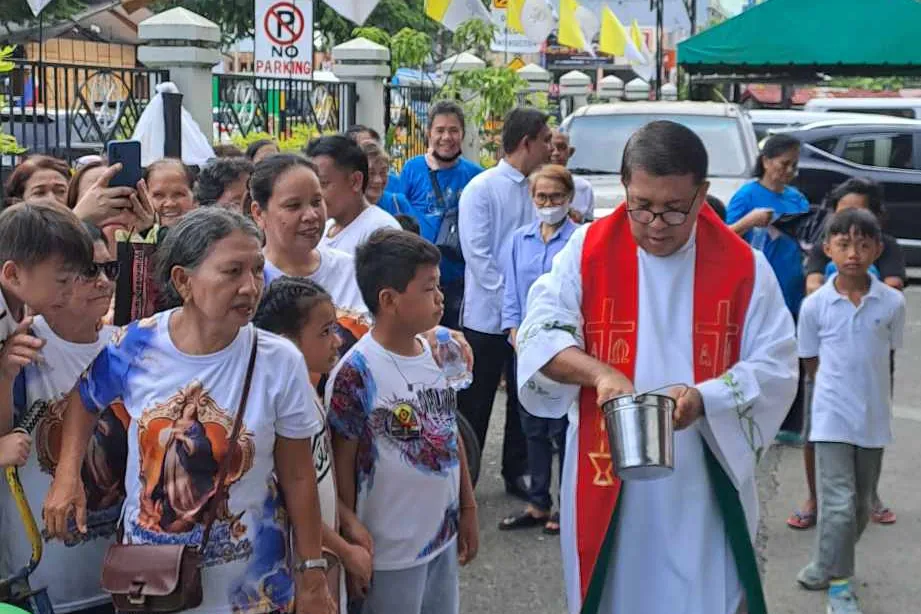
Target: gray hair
{"x": 189, "y": 242}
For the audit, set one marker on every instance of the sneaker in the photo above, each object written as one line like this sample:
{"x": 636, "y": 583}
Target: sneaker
{"x": 843, "y": 602}
{"x": 812, "y": 579}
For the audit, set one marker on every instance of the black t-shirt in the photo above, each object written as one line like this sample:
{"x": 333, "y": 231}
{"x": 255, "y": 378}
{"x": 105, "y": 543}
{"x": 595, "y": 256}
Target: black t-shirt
{"x": 891, "y": 263}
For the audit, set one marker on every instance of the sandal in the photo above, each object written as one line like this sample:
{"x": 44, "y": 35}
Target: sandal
{"x": 524, "y": 520}
{"x": 801, "y": 520}
{"x": 883, "y": 515}
{"x": 552, "y": 525}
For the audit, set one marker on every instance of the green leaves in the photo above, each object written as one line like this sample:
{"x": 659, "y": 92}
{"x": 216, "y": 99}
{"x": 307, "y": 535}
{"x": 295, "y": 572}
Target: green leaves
{"x": 474, "y": 35}
{"x": 410, "y": 48}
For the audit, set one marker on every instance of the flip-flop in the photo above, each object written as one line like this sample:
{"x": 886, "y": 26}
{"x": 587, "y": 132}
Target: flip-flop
{"x": 883, "y": 515}
{"x": 801, "y": 520}
{"x": 523, "y": 520}
{"x": 554, "y": 519}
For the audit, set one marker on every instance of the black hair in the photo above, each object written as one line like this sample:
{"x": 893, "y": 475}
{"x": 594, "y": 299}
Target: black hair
{"x": 664, "y": 148}
{"x": 255, "y": 146}
{"x": 189, "y": 242}
{"x": 287, "y": 303}
{"x": 776, "y": 145}
{"x": 166, "y": 163}
{"x": 408, "y": 223}
{"x": 356, "y": 129}
{"x": 267, "y": 172}
{"x": 33, "y": 232}
{"x": 447, "y": 107}
{"x": 344, "y": 152}
{"x": 390, "y": 259}
{"x": 93, "y": 231}
{"x": 219, "y": 173}
{"x": 862, "y": 186}
{"x": 859, "y": 221}
{"x": 519, "y": 123}
{"x": 228, "y": 150}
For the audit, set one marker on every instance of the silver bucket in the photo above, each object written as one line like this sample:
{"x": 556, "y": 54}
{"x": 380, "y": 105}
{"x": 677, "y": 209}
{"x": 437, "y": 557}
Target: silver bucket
{"x": 641, "y": 435}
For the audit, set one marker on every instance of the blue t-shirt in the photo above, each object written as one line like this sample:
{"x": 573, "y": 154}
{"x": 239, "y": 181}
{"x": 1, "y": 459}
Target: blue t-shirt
{"x": 424, "y": 207}
{"x": 394, "y": 203}
{"x": 393, "y": 182}
{"x": 783, "y": 252}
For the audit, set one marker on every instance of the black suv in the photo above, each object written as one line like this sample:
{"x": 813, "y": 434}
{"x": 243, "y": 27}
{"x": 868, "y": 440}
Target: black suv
{"x": 889, "y": 154}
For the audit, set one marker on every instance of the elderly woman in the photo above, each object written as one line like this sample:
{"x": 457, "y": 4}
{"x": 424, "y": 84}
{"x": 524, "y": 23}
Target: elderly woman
{"x": 224, "y": 182}
{"x": 393, "y": 203}
{"x": 169, "y": 183}
{"x": 530, "y": 255}
{"x": 180, "y": 376}
{"x": 38, "y": 177}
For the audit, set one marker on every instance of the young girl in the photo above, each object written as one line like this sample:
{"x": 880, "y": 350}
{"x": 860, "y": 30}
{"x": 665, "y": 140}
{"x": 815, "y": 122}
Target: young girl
{"x": 301, "y": 310}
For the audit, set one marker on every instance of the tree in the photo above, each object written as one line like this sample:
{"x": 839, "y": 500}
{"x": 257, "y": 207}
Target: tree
{"x": 18, "y": 12}
{"x": 236, "y": 17}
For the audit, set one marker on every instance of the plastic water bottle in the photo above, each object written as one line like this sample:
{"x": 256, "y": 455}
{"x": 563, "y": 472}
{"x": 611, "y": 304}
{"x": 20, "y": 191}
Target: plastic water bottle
{"x": 450, "y": 356}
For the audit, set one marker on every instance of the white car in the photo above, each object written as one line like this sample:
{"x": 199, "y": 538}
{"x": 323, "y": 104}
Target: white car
{"x": 599, "y": 133}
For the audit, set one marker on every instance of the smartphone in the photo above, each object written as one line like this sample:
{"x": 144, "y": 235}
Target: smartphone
{"x": 128, "y": 153}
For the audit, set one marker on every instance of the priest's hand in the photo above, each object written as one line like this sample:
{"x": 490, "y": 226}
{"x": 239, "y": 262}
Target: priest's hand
{"x": 689, "y": 406}
{"x": 610, "y": 384}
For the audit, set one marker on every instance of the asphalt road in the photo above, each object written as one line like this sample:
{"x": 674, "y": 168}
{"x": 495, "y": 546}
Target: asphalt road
{"x": 519, "y": 572}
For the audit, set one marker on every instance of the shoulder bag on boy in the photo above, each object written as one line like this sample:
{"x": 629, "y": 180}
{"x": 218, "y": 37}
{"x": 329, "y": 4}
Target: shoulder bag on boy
{"x": 163, "y": 579}
{"x": 448, "y": 239}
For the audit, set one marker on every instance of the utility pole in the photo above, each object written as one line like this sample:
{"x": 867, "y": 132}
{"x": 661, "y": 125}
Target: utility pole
{"x": 658, "y": 5}
{"x": 690, "y": 6}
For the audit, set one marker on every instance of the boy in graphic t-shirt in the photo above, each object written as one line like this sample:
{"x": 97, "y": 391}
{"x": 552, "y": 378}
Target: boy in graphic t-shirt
{"x": 399, "y": 462}
{"x": 43, "y": 248}
{"x": 72, "y": 337}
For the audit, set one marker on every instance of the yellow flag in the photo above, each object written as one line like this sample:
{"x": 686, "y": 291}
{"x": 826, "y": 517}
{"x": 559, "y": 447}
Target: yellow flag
{"x": 436, "y": 9}
{"x": 513, "y": 15}
{"x": 570, "y": 33}
{"x": 614, "y": 37}
{"x": 635, "y": 34}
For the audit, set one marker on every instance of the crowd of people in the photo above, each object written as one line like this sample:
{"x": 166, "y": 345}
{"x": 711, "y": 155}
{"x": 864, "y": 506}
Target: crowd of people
{"x": 291, "y": 366}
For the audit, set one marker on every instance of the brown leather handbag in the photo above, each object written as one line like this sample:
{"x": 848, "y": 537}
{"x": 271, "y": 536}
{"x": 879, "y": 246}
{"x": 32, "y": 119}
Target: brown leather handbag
{"x": 162, "y": 579}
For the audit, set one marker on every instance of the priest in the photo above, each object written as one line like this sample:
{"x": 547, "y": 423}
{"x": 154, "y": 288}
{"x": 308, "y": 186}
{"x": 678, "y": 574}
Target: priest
{"x": 661, "y": 293}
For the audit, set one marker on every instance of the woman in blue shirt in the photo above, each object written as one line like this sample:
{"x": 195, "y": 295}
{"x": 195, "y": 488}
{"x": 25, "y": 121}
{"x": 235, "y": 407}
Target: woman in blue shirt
{"x": 757, "y": 204}
{"x": 530, "y": 255}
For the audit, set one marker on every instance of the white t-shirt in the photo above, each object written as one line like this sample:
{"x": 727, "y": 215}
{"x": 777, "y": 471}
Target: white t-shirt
{"x": 583, "y": 200}
{"x": 326, "y": 487}
{"x": 851, "y": 403}
{"x": 403, "y": 414}
{"x": 182, "y": 410}
{"x": 362, "y": 227}
{"x": 71, "y": 569}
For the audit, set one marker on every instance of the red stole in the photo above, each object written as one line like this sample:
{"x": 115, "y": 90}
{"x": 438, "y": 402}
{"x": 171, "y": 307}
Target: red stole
{"x": 724, "y": 275}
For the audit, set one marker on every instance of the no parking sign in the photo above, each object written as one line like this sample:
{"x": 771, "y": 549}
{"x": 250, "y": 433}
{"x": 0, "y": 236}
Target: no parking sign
{"x": 284, "y": 38}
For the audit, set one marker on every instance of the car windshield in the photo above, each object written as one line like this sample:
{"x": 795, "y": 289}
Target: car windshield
{"x": 599, "y": 141}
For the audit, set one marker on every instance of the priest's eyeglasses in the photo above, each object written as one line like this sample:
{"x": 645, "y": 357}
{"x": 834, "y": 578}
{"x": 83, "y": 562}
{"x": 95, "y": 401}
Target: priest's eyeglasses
{"x": 671, "y": 217}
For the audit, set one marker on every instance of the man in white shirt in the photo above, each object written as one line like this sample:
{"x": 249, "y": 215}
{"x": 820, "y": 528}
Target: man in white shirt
{"x": 661, "y": 294}
{"x": 493, "y": 205}
{"x": 343, "y": 171}
{"x": 583, "y": 200}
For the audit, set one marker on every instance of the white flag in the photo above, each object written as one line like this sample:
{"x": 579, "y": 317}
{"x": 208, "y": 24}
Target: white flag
{"x": 356, "y": 11}
{"x": 38, "y": 5}
{"x": 452, "y": 13}
{"x": 537, "y": 20}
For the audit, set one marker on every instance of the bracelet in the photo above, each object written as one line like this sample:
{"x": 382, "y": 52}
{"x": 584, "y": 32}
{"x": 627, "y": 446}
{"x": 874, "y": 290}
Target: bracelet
{"x": 309, "y": 564}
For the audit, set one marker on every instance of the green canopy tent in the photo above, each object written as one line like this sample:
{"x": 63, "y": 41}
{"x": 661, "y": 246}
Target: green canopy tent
{"x": 800, "y": 40}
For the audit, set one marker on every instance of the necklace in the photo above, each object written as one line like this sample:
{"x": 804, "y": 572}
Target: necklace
{"x": 409, "y": 385}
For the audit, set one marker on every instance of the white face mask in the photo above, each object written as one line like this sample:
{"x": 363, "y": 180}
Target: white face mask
{"x": 552, "y": 215}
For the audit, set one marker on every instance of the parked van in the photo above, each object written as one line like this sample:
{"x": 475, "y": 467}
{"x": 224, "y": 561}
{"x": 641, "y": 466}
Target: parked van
{"x": 909, "y": 108}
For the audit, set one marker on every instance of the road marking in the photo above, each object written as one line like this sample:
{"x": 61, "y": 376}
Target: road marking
{"x": 908, "y": 413}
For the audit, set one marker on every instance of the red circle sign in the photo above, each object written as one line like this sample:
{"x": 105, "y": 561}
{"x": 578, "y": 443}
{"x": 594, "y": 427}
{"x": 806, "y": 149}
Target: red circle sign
{"x": 283, "y": 23}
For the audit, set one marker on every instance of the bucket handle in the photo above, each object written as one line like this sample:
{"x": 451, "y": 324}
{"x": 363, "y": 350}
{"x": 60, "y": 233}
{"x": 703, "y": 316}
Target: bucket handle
{"x": 648, "y": 392}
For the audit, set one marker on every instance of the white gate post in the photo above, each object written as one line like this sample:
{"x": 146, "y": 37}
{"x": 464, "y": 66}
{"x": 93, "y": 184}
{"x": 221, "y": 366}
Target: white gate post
{"x": 367, "y": 64}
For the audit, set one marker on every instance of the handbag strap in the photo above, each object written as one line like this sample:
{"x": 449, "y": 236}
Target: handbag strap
{"x": 221, "y": 492}
{"x": 396, "y": 204}
{"x": 439, "y": 195}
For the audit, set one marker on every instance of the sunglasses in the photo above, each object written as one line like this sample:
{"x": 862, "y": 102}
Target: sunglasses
{"x": 111, "y": 270}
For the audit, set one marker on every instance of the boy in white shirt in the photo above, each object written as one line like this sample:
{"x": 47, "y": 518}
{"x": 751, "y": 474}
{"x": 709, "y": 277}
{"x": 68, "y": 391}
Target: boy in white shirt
{"x": 399, "y": 461}
{"x": 43, "y": 249}
{"x": 847, "y": 330}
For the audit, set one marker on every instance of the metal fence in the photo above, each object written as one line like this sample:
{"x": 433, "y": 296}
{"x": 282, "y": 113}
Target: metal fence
{"x": 69, "y": 110}
{"x": 406, "y": 109}
{"x": 245, "y": 104}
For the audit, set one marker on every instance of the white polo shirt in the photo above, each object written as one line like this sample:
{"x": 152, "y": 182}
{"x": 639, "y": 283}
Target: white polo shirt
{"x": 852, "y": 389}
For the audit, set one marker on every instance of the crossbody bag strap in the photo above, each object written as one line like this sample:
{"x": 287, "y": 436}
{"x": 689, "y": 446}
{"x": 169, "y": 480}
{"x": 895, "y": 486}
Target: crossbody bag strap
{"x": 221, "y": 492}
{"x": 436, "y": 187}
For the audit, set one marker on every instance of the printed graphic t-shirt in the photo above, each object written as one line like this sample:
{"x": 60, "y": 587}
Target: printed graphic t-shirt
{"x": 71, "y": 569}
{"x": 402, "y": 412}
{"x": 182, "y": 409}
